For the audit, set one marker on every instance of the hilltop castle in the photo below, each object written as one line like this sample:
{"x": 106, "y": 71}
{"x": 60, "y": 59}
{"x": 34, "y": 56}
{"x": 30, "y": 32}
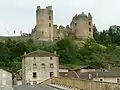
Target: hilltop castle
{"x": 80, "y": 28}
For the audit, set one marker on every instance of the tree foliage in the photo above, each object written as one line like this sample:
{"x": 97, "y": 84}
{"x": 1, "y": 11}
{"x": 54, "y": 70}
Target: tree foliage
{"x": 104, "y": 49}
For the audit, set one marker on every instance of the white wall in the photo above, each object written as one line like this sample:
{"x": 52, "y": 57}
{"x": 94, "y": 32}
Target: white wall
{"x": 5, "y": 79}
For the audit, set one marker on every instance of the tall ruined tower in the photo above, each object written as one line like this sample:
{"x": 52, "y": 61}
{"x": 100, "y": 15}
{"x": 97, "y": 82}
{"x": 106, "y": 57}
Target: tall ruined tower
{"x": 44, "y": 24}
{"x": 82, "y": 26}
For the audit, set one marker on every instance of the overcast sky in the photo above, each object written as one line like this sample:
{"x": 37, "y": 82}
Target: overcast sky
{"x": 20, "y": 14}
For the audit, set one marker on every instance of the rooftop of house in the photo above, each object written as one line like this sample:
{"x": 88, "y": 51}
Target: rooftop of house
{"x": 113, "y": 73}
{"x": 83, "y": 67}
{"x": 99, "y": 74}
{"x": 40, "y": 53}
{"x": 70, "y": 74}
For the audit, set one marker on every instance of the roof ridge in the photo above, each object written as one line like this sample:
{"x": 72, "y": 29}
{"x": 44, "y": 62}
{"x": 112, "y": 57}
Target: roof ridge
{"x": 41, "y": 53}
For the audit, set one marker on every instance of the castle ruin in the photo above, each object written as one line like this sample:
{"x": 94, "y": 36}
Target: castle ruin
{"x": 80, "y": 28}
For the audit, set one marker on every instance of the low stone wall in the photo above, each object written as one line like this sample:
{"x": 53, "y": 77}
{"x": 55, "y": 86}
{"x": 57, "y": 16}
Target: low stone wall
{"x": 79, "y": 84}
{"x": 16, "y": 38}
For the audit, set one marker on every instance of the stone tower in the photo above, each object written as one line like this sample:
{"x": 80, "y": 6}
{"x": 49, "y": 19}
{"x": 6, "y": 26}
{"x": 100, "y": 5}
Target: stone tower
{"x": 44, "y": 24}
{"x": 82, "y": 27}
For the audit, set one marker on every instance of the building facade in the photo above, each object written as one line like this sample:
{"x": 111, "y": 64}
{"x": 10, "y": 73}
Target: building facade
{"x": 5, "y": 80}
{"x": 38, "y": 66}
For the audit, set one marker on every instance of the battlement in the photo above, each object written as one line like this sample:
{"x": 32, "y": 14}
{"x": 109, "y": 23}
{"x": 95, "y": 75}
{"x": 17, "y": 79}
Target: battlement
{"x": 67, "y": 27}
{"x": 38, "y": 7}
{"x": 89, "y": 16}
{"x": 82, "y": 16}
{"x": 55, "y": 26}
{"x": 61, "y": 27}
{"x": 49, "y": 7}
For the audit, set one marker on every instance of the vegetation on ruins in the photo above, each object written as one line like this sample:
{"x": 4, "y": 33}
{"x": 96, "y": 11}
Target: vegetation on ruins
{"x": 104, "y": 49}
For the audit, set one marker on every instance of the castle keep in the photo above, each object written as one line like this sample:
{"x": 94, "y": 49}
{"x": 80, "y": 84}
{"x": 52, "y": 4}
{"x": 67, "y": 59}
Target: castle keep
{"x": 43, "y": 30}
{"x": 80, "y": 28}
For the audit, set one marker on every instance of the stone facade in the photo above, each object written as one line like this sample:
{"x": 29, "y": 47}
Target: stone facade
{"x": 5, "y": 80}
{"x": 81, "y": 27}
{"x": 38, "y": 66}
{"x": 43, "y": 30}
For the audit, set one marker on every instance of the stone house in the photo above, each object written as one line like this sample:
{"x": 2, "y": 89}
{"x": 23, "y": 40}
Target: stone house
{"x": 38, "y": 66}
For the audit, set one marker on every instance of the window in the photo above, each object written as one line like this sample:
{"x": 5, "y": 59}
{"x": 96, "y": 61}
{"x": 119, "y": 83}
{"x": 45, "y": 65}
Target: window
{"x": 49, "y": 24}
{"x": 34, "y": 74}
{"x": 101, "y": 80}
{"x": 43, "y": 65}
{"x": 49, "y": 17}
{"x": 18, "y": 73}
{"x": 34, "y": 58}
{"x": 34, "y": 65}
{"x": 89, "y": 29}
{"x": 51, "y": 74}
{"x": 118, "y": 80}
{"x": 75, "y": 24}
{"x": 51, "y": 58}
{"x": 51, "y": 65}
{"x": 89, "y": 23}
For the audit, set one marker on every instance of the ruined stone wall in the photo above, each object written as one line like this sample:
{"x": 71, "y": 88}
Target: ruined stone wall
{"x": 44, "y": 24}
{"x": 59, "y": 33}
{"x": 82, "y": 27}
{"x": 16, "y": 38}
